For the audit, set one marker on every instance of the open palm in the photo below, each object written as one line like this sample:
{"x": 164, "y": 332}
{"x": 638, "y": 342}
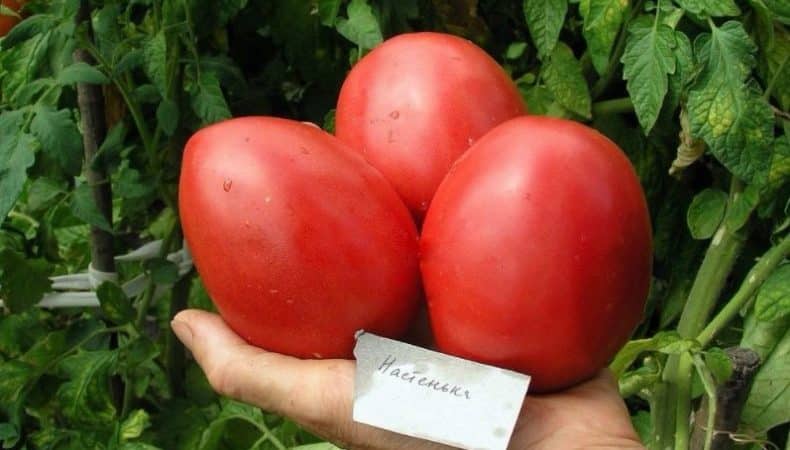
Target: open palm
{"x": 318, "y": 395}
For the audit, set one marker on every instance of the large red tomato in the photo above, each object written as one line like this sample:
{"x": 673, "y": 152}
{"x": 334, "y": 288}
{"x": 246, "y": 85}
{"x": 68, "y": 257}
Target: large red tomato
{"x": 7, "y": 21}
{"x": 536, "y": 252}
{"x": 298, "y": 240}
{"x": 414, "y": 104}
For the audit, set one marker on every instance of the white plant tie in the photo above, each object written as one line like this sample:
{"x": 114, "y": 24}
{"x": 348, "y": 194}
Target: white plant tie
{"x": 79, "y": 289}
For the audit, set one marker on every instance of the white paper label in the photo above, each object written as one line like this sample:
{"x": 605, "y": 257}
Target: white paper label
{"x": 430, "y": 395}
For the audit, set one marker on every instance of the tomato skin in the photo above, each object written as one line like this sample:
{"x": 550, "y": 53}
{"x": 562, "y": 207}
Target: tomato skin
{"x": 8, "y": 22}
{"x": 299, "y": 242}
{"x": 415, "y": 103}
{"x": 536, "y": 252}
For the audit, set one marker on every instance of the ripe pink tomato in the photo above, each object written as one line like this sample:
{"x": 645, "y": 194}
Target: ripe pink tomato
{"x": 536, "y": 252}
{"x": 300, "y": 242}
{"x": 414, "y": 104}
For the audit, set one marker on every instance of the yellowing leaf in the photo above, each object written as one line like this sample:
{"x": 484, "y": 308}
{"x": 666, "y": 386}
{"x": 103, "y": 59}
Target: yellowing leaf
{"x": 563, "y": 76}
{"x": 729, "y": 114}
{"x": 602, "y": 20}
{"x": 544, "y": 20}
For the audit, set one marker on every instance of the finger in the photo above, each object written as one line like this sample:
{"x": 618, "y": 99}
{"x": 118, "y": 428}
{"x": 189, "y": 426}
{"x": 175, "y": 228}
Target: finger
{"x": 315, "y": 393}
{"x": 306, "y": 390}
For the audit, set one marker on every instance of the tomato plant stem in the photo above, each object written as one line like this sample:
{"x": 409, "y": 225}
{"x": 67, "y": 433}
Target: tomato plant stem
{"x": 134, "y": 107}
{"x": 756, "y": 276}
{"x": 716, "y": 266}
{"x": 142, "y": 309}
{"x": 706, "y": 289}
{"x": 683, "y": 397}
{"x": 174, "y": 353}
{"x": 614, "y": 106}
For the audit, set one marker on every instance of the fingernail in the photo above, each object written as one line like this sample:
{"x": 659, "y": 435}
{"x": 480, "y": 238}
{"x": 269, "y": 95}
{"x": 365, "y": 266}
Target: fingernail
{"x": 182, "y": 331}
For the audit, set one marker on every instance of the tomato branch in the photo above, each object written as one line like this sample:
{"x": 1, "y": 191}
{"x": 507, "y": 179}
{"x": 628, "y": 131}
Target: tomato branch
{"x": 757, "y": 275}
{"x": 729, "y": 400}
{"x": 614, "y": 106}
{"x": 717, "y": 264}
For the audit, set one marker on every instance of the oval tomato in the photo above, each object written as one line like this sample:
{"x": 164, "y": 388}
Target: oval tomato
{"x": 536, "y": 252}
{"x": 415, "y": 103}
{"x": 8, "y": 21}
{"x": 300, "y": 242}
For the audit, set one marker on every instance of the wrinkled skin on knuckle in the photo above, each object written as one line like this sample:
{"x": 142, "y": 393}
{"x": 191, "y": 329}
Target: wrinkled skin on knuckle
{"x": 221, "y": 378}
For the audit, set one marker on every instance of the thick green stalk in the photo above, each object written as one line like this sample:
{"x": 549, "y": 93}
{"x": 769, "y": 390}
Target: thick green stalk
{"x": 663, "y": 429}
{"x": 712, "y": 275}
{"x": 759, "y": 273}
{"x": 683, "y": 410}
{"x": 142, "y": 309}
{"x": 705, "y": 291}
{"x": 614, "y": 106}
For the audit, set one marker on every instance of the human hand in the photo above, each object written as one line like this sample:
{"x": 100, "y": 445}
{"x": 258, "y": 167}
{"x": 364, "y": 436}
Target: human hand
{"x": 318, "y": 395}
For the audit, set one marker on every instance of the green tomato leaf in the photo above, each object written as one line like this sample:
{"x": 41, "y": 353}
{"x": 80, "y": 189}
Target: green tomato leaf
{"x": 134, "y": 424}
{"x": 667, "y": 342}
{"x": 14, "y": 376}
{"x": 706, "y": 213}
{"x": 130, "y": 60}
{"x": 542, "y": 102}
{"x": 737, "y": 125}
{"x": 84, "y": 208}
{"x": 23, "y": 281}
{"x": 773, "y": 299}
{"x": 138, "y": 446}
{"x": 208, "y": 101}
{"x": 780, "y": 9}
{"x": 49, "y": 347}
{"x": 167, "y": 115}
{"x": 763, "y": 335}
{"x": 42, "y": 193}
{"x": 766, "y": 406}
{"x": 59, "y": 137}
{"x": 719, "y": 364}
{"x": 131, "y": 183}
{"x": 16, "y": 156}
{"x": 155, "y": 61}
{"x": 780, "y": 164}
{"x": 18, "y": 332}
{"x": 563, "y": 76}
{"x": 9, "y": 435}
{"x": 114, "y": 303}
{"x": 328, "y": 11}
{"x": 740, "y": 209}
{"x": 33, "y": 26}
{"x": 728, "y": 114}
{"x": 162, "y": 271}
{"x": 544, "y": 21}
{"x": 80, "y": 72}
{"x": 228, "y": 9}
{"x": 647, "y": 61}
{"x": 146, "y": 93}
{"x": 602, "y": 21}
{"x": 515, "y": 50}
{"x": 85, "y": 398}
{"x": 361, "y": 27}
{"x": 231, "y": 410}
{"x": 684, "y": 70}
{"x": 710, "y": 8}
